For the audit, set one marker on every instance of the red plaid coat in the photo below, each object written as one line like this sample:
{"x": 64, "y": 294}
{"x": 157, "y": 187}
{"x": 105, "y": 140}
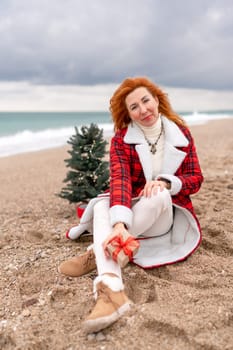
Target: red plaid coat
{"x": 131, "y": 167}
{"x": 129, "y": 175}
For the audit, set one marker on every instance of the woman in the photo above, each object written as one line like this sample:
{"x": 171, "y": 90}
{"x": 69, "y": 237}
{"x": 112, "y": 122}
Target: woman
{"x": 154, "y": 169}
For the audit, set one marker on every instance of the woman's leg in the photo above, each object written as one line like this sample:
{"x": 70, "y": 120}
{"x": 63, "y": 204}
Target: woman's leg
{"x": 101, "y": 229}
{"x": 111, "y": 300}
{"x": 152, "y": 216}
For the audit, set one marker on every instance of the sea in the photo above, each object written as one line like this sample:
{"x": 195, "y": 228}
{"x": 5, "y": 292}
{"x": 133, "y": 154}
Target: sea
{"x": 22, "y": 132}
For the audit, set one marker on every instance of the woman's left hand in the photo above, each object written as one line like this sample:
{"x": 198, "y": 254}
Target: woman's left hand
{"x": 152, "y": 187}
{"x": 117, "y": 230}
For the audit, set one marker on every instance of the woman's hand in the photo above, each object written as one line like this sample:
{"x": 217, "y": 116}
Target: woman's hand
{"x": 118, "y": 229}
{"x": 152, "y": 187}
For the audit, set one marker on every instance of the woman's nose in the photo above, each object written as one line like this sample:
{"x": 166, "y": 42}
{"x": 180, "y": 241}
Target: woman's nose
{"x": 143, "y": 108}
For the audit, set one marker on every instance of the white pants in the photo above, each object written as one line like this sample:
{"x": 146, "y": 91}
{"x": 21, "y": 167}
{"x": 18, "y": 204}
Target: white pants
{"x": 151, "y": 217}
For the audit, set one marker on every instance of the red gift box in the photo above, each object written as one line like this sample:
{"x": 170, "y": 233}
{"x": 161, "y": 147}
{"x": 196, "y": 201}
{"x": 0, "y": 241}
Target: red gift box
{"x": 122, "y": 248}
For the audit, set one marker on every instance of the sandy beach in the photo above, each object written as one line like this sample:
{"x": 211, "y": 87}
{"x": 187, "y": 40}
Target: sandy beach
{"x": 186, "y": 306}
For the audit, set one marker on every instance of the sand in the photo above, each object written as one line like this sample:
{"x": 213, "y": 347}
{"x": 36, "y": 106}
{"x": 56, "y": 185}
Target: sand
{"x": 183, "y": 306}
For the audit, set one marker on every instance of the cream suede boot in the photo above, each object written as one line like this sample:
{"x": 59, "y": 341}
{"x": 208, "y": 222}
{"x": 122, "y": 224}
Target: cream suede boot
{"x": 111, "y": 303}
{"x": 79, "y": 265}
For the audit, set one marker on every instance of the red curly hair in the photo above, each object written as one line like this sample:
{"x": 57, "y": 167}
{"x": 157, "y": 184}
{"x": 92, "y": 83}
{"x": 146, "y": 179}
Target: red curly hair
{"x": 118, "y": 107}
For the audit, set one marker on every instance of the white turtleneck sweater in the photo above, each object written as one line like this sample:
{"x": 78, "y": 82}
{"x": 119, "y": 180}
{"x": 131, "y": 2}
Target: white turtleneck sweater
{"x": 152, "y": 133}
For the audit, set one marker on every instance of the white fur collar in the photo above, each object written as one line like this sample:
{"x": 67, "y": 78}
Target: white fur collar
{"x": 172, "y": 156}
{"x": 173, "y": 134}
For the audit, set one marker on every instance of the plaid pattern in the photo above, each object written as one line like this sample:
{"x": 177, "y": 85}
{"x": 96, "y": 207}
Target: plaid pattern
{"x": 127, "y": 177}
{"x": 189, "y": 173}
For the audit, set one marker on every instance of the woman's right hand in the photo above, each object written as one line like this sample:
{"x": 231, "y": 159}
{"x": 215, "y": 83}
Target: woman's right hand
{"x": 152, "y": 187}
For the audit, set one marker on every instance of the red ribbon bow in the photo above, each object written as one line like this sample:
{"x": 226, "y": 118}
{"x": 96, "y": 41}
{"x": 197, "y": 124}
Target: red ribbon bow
{"x": 128, "y": 246}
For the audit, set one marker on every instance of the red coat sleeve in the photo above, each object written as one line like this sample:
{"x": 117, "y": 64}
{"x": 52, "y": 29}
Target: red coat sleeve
{"x": 120, "y": 176}
{"x": 189, "y": 172}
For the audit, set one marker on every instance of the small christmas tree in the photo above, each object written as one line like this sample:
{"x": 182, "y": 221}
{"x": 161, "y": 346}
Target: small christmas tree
{"x": 90, "y": 174}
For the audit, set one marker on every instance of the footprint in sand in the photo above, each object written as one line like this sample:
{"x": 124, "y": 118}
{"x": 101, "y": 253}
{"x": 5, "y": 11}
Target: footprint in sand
{"x": 144, "y": 292}
{"x": 33, "y": 236}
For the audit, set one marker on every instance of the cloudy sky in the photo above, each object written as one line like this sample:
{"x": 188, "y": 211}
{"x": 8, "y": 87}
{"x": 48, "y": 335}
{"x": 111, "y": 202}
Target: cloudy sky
{"x": 71, "y": 54}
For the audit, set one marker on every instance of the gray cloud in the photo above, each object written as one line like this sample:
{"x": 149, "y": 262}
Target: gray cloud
{"x": 176, "y": 43}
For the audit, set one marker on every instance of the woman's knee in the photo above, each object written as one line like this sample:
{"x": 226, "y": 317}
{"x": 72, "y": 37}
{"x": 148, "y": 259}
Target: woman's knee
{"x": 161, "y": 198}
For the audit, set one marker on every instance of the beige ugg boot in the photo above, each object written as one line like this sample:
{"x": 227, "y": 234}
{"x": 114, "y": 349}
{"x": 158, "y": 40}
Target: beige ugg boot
{"x": 79, "y": 265}
{"x": 111, "y": 303}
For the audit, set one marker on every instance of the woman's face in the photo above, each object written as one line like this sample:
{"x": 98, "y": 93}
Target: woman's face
{"x": 142, "y": 106}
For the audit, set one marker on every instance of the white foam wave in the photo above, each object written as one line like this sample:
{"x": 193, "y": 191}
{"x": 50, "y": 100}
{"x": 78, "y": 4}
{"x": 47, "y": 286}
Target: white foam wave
{"x": 29, "y": 141}
{"x": 197, "y": 118}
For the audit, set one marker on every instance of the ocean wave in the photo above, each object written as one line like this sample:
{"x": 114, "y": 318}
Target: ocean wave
{"x": 30, "y": 141}
{"x": 198, "y": 118}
